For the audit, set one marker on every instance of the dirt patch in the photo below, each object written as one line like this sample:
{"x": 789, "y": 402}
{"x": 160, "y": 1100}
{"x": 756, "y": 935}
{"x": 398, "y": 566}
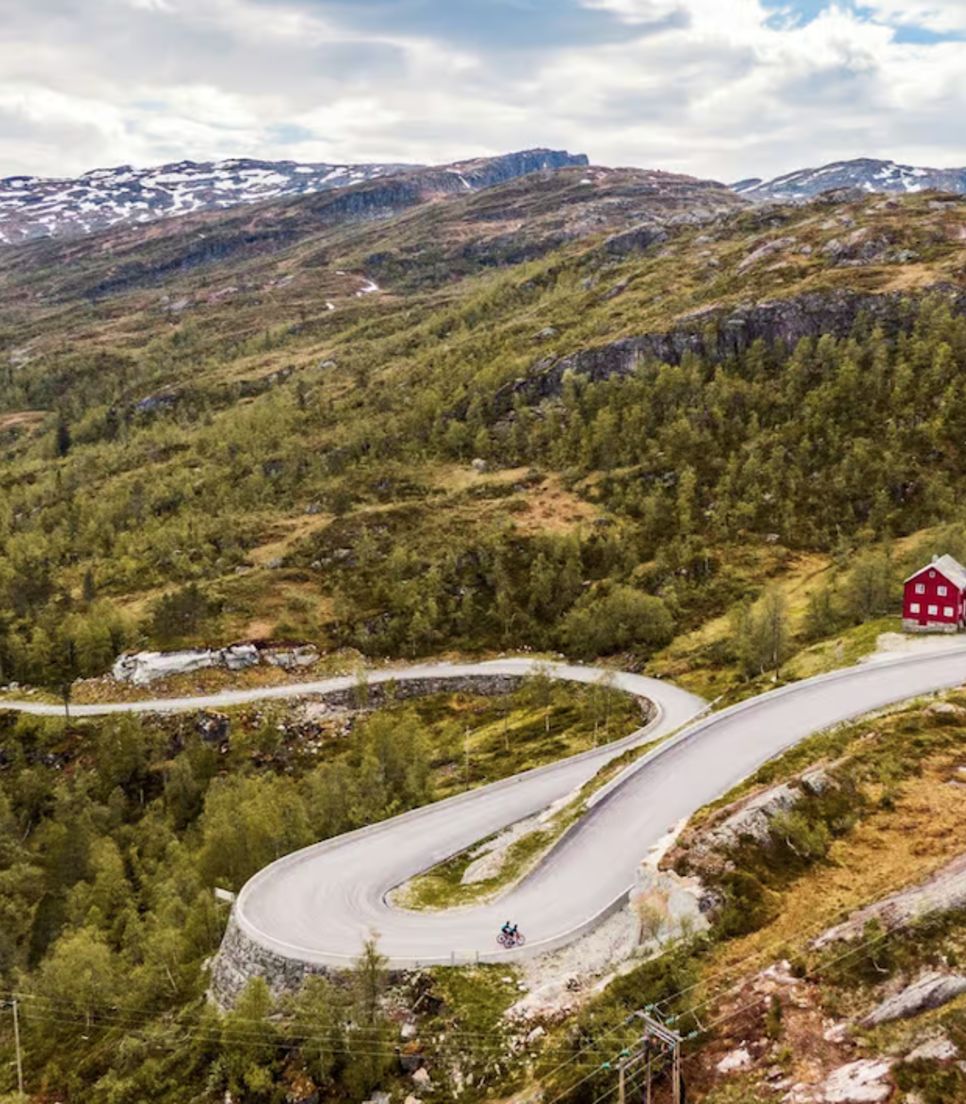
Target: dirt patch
{"x": 550, "y": 508}
{"x": 891, "y": 644}
{"x": 21, "y": 419}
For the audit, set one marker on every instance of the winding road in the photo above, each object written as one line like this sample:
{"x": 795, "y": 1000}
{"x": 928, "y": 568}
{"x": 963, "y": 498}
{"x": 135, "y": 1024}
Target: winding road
{"x": 317, "y": 905}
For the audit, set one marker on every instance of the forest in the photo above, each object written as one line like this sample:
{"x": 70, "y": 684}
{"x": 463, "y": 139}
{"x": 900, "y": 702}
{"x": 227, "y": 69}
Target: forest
{"x": 114, "y": 833}
{"x": 835, "y": 443}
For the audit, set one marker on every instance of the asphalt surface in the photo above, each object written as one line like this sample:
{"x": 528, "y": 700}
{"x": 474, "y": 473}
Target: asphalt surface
{"x": 678, "y": 702}
{"x": 319, "y": 904}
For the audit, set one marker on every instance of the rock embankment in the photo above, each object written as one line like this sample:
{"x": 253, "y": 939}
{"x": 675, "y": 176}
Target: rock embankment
{"x": 707, "y": 850}
{"x": 143, "y": 668}
{"x": 945, "y": 891}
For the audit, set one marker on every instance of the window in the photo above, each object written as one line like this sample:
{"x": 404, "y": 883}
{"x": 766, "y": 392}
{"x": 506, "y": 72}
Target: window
{"x": 913, "y": 607}
{"x": 933, "y": 610}
{"x": 941, "y": 591}
{"x": 947, "y": 611}
{"x": 920, "y": 588}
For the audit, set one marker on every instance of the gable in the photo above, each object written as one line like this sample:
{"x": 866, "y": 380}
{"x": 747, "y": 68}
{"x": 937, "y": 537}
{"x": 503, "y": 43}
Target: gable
{"x": 942, "y": 574}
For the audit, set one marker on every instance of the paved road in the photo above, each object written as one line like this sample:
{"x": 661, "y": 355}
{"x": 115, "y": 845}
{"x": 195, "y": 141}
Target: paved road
{"x": 678, "y": 705}
{"x": 318, "y": 904}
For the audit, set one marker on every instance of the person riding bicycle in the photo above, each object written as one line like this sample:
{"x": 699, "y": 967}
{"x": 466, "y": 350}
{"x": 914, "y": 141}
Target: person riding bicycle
{"x": 509, "y": 930}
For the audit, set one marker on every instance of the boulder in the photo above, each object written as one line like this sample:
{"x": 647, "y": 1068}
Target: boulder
{"x": 422, "y": 1081}
{"x": 940, "y": 1049}
{"x": 239, "y": 656}
{"x": 298, "y": 655}
{"x": 734, "y": 1060}
{"x": 930, "y": 990}
{"x": 861, "y": 1082}
{"x": 143, "y": 668}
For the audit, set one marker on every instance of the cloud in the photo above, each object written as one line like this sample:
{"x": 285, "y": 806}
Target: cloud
{"x": 722, "y": 89}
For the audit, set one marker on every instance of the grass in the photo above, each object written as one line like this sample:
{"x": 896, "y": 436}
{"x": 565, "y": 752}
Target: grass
{"x": 442, "y": 886}
{"x": 477, "y": 740}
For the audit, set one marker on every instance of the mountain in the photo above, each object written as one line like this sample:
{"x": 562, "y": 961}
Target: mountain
{"x": 414, "y": 230}
{"x": 34, "y": 207}
{"x": 863, "y": 173}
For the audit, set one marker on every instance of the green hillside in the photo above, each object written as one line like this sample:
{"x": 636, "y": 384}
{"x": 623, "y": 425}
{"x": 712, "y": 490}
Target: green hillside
{"x": 645, "y": 395}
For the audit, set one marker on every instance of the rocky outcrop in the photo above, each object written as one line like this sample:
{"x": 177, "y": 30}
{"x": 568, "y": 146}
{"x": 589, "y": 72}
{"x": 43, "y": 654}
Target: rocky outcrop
{"x": 717, "y": 335}
{"x": 373, "y": 695}
{"x": 945, "y": 891}
{"x": 861, "y": 1082}
{"x": 143, "y": 668}
{"x": 930, "y": 990}
{"x": 636, "y": 240}
{"x": 707, "y": 849}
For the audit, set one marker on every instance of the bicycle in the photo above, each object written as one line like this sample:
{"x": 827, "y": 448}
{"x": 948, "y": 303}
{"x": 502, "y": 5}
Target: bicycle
{"x": 511, "y": 939}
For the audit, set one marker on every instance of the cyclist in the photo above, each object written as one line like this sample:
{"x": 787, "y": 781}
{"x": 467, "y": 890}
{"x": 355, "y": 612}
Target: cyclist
{"x": 509, "y": 930}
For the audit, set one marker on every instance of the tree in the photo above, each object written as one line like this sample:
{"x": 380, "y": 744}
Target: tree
{"x": 869, "y": 589}
{"x": 760, "y": 635}
{"x": 615, "y": 619}
{"x": 80, "y": 974}
{"x": 249, "y": 1042}
{"x": 318, "y": 1018}
{"x": 823, "y": 614}
{"x": 368, "y": 1038}
{"x": 63, "y": 440}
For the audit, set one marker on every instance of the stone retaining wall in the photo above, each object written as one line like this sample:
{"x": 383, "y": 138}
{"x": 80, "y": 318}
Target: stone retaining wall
{"x": 240, "y": 958}
{"x": 373, "y": 695}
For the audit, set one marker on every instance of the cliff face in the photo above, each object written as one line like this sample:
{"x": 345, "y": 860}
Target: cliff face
{"x": 717, "y": 335}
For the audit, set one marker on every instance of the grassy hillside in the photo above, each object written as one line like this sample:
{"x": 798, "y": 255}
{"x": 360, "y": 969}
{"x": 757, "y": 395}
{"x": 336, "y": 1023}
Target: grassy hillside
{"x": 283, "y": 468}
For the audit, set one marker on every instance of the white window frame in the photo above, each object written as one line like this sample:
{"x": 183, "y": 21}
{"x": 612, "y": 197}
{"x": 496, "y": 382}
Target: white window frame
{"x": 941, "y": 591}
{"x": 932, "y": 610}
{"x": 913, "y": 607}
{"x": 920, "y": 588}
{"x": 948, "y": 611}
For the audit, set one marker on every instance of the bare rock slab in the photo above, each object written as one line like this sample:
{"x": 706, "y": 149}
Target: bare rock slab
{"x": 931, "y": 990}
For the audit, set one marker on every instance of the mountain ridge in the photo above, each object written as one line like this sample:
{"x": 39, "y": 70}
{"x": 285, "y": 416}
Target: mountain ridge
{"x": 33, "y": 208}
{"x": 867, "y": 174}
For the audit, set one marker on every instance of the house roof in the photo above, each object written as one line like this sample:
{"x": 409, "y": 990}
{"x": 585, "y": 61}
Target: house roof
{"x": 948, "y": 566}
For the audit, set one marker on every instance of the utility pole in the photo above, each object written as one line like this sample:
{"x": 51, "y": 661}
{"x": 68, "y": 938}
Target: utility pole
{"x": 14, "y": 1006}
{"x": 657, "y": 1036}
{"x": 658, "y": 1042}
{"x": 466, "y": 757}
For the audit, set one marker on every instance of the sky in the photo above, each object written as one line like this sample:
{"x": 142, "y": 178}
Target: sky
{"x": 717, "y": 88}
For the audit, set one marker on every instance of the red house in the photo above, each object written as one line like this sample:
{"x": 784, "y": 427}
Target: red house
{"x": 934, "y": 598}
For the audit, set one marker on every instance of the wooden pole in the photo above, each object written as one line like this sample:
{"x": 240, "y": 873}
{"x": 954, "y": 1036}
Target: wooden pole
{"x": 676, "y": 1061}
{"x": 16, "y": 1039}
{"x": 647, "y": 1098}
{"x": 621, "y": 1094}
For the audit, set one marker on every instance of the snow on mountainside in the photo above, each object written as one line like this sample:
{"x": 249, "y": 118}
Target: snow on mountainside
{"x": 35, "y": 207}
{"x": 863, "y": 173}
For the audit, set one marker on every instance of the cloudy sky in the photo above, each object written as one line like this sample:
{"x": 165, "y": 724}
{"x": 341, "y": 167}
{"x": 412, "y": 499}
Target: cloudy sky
{"x": 722, "y": 88}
